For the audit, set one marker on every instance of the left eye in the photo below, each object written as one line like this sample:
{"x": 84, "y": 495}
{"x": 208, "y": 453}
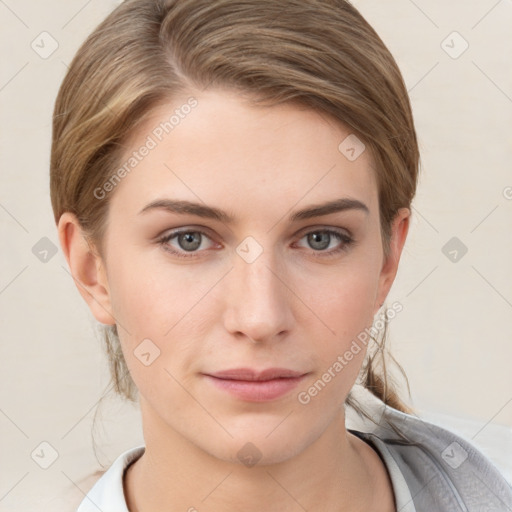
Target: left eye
{"x": 321, "y": 239}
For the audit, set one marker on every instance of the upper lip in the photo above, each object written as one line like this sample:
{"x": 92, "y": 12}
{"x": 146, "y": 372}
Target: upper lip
{"x": 256, "y": 375}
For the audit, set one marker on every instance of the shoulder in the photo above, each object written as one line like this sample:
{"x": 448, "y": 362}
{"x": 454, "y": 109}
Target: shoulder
{"x": 442, "y": 470}
{"x": 107, "y": 493}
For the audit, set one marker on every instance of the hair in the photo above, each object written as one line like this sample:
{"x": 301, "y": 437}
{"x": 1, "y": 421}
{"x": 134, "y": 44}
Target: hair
{"x": 320, "y": 54}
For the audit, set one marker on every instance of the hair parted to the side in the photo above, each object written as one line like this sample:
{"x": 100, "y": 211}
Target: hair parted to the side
{"x": 318, "y": 53}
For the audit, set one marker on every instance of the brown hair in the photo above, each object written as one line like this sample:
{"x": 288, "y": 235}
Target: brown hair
{"x": 318, "y": 53}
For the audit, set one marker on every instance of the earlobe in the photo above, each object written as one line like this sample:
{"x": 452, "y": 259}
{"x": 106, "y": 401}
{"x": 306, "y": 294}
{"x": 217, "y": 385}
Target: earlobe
{"x": 400, "y": 229}
{"x": 86, "y": 268}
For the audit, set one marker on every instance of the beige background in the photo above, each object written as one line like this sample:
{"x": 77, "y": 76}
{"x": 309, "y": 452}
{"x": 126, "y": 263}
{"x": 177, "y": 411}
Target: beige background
{"x": 453, "y": 337}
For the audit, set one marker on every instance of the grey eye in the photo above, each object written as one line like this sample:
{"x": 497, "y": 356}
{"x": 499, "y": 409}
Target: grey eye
{"x": 190, "y": 240}
{"x": 319, "y": 239}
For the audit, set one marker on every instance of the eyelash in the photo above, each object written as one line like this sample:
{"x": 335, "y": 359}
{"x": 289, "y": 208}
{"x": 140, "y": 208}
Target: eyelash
{"x": 347, "y": 242}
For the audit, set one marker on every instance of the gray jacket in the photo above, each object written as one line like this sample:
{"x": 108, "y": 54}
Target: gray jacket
{"x": 434, "y": 470}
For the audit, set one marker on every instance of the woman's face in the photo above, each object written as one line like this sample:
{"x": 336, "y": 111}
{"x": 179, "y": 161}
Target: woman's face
{"x": 261, "y": 276}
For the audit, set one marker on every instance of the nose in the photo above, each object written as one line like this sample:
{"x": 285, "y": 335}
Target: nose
{"x": 258, "y": 300}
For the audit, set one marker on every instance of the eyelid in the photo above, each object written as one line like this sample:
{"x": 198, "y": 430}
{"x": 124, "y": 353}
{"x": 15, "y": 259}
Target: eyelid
{"x": 320, "y": 227}
{"x": 173, "y": 233}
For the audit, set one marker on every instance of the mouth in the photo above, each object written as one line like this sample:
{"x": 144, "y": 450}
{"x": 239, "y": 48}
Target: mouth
{"x": 256, "y": 386}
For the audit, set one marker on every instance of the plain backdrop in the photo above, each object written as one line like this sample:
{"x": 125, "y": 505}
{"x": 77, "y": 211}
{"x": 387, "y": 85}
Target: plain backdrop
{"x": 453, "y": 337}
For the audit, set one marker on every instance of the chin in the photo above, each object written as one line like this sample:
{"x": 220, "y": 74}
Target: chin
{"x": 257, "y": 452}
{"x": 267, "y": 443}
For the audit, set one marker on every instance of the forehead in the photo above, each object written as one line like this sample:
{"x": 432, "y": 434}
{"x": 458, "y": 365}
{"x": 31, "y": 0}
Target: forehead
{"x": 216, "y": 147}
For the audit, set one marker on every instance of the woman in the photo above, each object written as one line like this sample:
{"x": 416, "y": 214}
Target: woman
{"x": 232, "y": 184}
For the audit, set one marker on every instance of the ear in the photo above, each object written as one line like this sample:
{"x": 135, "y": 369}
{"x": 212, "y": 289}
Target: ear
{"x": 400, "y": 228}
{"x": 87, "y": 268}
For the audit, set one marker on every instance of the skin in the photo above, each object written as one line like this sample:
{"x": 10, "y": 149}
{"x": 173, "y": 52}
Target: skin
{"x": 292, "y": 307}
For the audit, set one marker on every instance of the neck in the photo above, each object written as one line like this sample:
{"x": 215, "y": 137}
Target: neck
{"x": 335, "y": 472}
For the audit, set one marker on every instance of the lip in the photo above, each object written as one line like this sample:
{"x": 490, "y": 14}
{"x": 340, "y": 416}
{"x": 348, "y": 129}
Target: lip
{"x": 256, "y": 386}
{"x": 256, "y": 375}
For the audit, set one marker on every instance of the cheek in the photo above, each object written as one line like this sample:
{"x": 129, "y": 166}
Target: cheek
{"x": 343, "y": 298}
{"x": 161, "y": 311}
{"x": 344, "y": 303}
{"x": 150, "y": 297}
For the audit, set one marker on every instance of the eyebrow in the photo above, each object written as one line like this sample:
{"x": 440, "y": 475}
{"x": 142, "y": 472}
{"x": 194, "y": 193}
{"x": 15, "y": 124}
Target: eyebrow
{"x": 209, "y": 212}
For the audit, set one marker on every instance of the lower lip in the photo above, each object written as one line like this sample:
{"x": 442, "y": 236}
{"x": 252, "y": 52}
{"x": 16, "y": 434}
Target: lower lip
{"x": 257, "y": 391}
